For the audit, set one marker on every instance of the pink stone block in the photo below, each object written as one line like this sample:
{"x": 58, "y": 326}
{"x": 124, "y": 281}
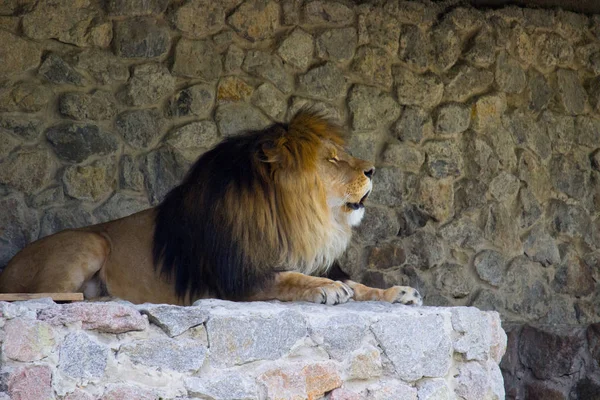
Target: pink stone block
{"x": 31, "y": 383}
{"x": 301, "y": 381}
{"x": 27, "y": 340}
{"x": 344, "y": 394}
{"x": 127, "y": 392}
{"x": 102, "y": 317}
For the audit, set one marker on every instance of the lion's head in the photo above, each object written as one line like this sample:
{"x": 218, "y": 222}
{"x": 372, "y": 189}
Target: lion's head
{"x": 284, "y": 198}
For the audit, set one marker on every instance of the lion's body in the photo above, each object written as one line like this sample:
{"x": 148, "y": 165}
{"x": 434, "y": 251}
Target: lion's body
{"x": 253, "y": 217}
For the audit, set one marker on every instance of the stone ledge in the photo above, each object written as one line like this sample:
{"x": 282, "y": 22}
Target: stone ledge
{"x": 223, "y": 350}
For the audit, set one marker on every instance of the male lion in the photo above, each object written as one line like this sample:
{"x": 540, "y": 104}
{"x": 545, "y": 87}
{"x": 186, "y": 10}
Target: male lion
{"x": 252, "y": 219}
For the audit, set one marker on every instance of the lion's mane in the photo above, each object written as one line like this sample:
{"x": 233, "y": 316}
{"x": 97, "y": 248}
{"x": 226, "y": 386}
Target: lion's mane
{"x": 251, "y": 206}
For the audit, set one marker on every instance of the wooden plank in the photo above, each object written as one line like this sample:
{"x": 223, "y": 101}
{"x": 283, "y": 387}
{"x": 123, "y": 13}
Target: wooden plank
{"x": 53, "y": 296}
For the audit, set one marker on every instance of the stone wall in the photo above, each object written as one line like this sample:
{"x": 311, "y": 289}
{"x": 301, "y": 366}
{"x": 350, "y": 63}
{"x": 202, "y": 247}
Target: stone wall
{"x": 484, "y": 126}
{"x": 220, "y": 350}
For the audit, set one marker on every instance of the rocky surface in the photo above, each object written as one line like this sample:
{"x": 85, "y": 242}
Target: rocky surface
{"x": 484, "y": 126}
{"x": 262, "y": 350}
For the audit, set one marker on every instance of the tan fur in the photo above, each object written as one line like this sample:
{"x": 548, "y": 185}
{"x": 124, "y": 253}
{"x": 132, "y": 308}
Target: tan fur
{"x": 302, "y": 222}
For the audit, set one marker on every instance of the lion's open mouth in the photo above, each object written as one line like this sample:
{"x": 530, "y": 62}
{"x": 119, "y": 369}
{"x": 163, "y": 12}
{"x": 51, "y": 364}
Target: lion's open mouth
{"x": 360, "y": 204}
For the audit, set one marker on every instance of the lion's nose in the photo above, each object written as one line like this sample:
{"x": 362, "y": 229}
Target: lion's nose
{"x": 370, "y": 172}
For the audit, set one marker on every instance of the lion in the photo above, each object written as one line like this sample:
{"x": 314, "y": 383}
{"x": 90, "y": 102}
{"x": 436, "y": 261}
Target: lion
{"x": 261, "y": 216}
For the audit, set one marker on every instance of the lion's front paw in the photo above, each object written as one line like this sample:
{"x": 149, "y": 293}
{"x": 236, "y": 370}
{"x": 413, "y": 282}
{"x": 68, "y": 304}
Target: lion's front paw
{"x": 404, "y": 295}
{"x": 334, "y": 293}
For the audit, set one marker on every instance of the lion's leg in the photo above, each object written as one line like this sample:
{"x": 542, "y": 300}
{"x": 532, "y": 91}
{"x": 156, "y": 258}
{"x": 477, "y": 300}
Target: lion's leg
{"x": 294, "y": 286}
{"x": 63, "y": 262}
{"x": 396, "y": 294}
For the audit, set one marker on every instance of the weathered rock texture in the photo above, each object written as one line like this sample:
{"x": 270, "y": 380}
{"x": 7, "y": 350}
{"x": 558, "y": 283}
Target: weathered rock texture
{"x": 223, "y": 350}
{"x": 484, "y": 126}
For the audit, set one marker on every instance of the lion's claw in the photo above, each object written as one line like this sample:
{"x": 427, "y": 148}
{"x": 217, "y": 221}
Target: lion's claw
{"x": 334, "y": 293}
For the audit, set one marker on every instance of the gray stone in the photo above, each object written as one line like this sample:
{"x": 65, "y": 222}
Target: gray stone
{"x": 120, "y": 205}
{"x": 465, "y": 82}
{"x": 148, "y": 84}
{"x": 135, "y": 8}
{"x": 462, "y": 233}
{"x": 540, "y": 246}
{"x": 466, "y": 19}
{"x": 530, "y": 209}
{"x": 505, "y": 187}
{"x": 377, "y": 224}
{"x": 140, "y": 38}
{"x": 90, "y": 182}
{"x": 130, "y": 174}
{"x": 436, "y": 198}
{"x": 20, "y": 225}
{"x": 588, "y": 131}
{"x": 561, "y": 130}
{"x": 595, "y": 159}
{"x": 27, "y": 170}
{"x": 424, "y": 250}
{"x": 571, "y": 93}
{"x": 414, "y": 89}
{"x": 57, "y": 70}
{"x": 510, "y": 77}
{"x": 434, "y": 389}
{"x": 97, "y": 105}
{"x": 416, "y": 348}
{"x": 535, "y": 175}
{"x": 269, "y": 67}
{"x": 193, "y": 137}
{"x": 7, "y": 144}
{"x": 269, "y": 99}
{"x": 388, "y": 187}
{"x": 569, "y": 176}
{"x": 480, "y": 161}
{"x": 174, "y": 320}
{"x": 527, "y": 294}
{"x": 411, "y": 220}
{"x": 326, "y": 12}
{"x": 82, "y": 358}
{"x": 326, "y": 81}
{"x": 451, "y": 280}
{"x": 363, "y": 146}
{"x": 234, "y": 58}
{"x": 374, "y": 66}
{"x": 256, "y": 19}
{"x": 414, "y": 125}
{"x": 500, "y": 228}
{"x": 445, "y": 48}
{"x": 452, "y": 119}
{"x": 483, "y": 51}
{"x": 391, "y": 390}
{"x": 297, "y": 49}
{"x": 222, "y": 387}
{"x": 472, "y": 381}
{"x": 163, "y": 168}
{"x": 18, "y": 55}
{"x": 488, "y": 300}
{"x": 233, "y": 341}
{"x": 339, "y": 334}
{"x": 103, "y": 66}
{"x": 140, "y": 128}
{"x": 199, "y": 18}
{"x": 553, "y": 51}
{"x": 571, "y": 220}
{"x": 233, "y": 119}
{"x": 414, "y": 47}
{"x": 325, "y": 109}
{"x": 337, "y": 44}
{"x": 196, "y": 100}
{"x": 371, "y": 108}
{"x": 406, "y": 157}
{"x": 540, "y": 92}
{"x": 475, "y": 337}
{"x": 66, "y": 216}
{"x": 469, "y": 194}
{"x": 526, "y": 131}
{"x": 381, "y": 29}
{"x": 197, "y": 59}
{"x": 490, "y": 266}
{"x": 29, "y": 96}
{"x": 182, "y": 355}
{"x": 443, "y": 159}
{"x": 25, "y": 126}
